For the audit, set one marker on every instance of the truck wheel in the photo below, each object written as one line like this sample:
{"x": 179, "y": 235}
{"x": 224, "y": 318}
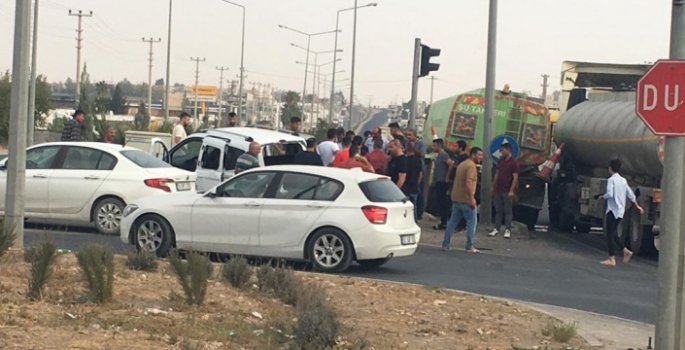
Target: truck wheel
{"x": 526, "y": 215}
{"x": 566, "y": 223}
{"x": 641, "y": 238}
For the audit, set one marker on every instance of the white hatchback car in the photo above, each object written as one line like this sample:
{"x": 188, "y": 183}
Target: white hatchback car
{"x": 87, "y": 182}
{"x": 327, "y": 216}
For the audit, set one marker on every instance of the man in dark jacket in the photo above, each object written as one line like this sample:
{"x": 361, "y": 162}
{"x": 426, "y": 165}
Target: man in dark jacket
{"x": 72, "y": 128}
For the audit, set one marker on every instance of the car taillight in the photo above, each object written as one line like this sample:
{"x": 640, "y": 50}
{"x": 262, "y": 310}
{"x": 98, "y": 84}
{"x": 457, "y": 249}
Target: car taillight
{"x": 161, "y": 184}
{"x": 375, "y": 215}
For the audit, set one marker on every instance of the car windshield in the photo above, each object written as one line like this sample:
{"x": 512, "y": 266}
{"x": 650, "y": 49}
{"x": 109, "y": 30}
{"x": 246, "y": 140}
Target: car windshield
{"x": 382, "y": 191}
{"x": 143, "y": 159}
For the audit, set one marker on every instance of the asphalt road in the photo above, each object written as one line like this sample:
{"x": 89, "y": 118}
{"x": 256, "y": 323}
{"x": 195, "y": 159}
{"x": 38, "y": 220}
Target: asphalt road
{"x": 573, "y": 280}
{"x": 378, "y": 119}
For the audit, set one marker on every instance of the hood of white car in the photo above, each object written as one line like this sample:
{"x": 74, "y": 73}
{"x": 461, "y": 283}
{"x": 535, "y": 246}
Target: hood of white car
{"x": 176, "y": 174}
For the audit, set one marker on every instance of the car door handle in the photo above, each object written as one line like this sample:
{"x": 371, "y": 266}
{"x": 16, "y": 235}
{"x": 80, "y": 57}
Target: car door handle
{"x": 252, "y": 204}
{"x": 40, "y": 176}
{"x": 91, "y": 177}
{"x": 315, "y": 205}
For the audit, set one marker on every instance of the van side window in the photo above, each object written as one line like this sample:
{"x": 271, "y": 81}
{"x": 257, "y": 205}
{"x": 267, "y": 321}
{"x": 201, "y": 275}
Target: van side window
{"x": 210, "y": 158}
{"x": 185, "y": 155}
{"x": 231, "y": 157}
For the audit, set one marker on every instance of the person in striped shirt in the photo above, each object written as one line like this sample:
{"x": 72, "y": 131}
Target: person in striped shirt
{"x": 248, "y": 160}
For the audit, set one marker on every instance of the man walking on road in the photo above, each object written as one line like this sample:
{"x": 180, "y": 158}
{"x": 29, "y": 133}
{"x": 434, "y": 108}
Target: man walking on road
{"x": 506, "y": 180}
{"x": 464, "y": 200}
{"x": 248, "y": 160}
{"x": 442, "y": 163}
{"x": 179, "y": 132}
{"x": 72, "y": 128}
{"x": 615, "y": 196}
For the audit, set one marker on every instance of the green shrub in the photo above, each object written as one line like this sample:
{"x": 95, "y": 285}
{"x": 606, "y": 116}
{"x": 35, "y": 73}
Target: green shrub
{"x": 317, "y": 327}
{"x": 8, "y": 236}
{"x": 561, "y": 332}
{"x": 97, "y": 265}
{"x": 141, "y": 261}
{"x": 264, "y": 275}
{"x": 192, "y": 275}
{"x": 41, "y": 268}
{"x": 31, "y": 253}
{"x": 237, "y": 271}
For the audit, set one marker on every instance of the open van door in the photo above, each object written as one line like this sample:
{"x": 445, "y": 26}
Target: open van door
{"x": 158, "y": 148}
{"x": 210, "y": 164}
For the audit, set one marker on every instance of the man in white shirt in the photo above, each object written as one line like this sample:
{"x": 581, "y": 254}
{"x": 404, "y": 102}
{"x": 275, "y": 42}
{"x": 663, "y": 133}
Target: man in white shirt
{"x": 179, "y": 132}
{"x": 615, "y": 196}
{"x": 329, "y": 148}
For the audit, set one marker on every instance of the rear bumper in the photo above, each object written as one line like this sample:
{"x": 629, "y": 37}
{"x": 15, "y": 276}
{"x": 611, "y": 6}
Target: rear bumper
{"x": 379, "y": 244}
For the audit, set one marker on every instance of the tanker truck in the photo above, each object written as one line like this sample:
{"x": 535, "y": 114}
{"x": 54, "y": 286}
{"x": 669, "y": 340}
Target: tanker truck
{"x": 523, "y": 118}
{"x": 590, "y": 134}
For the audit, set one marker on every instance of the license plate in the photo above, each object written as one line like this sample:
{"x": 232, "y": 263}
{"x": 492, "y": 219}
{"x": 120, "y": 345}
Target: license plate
{"x": 408, "y": 239}
{"x": 183, "y": 186}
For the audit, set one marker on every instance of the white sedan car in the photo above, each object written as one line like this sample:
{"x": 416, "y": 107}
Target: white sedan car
{"x": 85, "y": 182}
{"x": 327, "y": 216}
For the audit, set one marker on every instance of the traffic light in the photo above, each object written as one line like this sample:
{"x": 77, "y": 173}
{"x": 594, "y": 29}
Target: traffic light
{"x": 426, "y": 65}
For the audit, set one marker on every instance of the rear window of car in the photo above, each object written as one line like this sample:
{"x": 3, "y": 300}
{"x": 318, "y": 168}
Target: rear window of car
{"x": 382, "y": 191}
{"x": 144, "y": 160}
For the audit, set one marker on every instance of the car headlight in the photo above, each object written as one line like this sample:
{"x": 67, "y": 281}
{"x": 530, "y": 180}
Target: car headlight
{"x": 130, "y": 209}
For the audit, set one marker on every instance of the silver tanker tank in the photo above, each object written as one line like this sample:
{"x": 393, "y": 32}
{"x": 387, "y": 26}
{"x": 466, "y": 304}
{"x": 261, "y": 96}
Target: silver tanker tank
{"x": 604, "y": 128}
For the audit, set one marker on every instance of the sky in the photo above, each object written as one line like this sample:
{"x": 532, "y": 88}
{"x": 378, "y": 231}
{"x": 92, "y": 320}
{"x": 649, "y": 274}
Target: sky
{"x": 534, "y": 38}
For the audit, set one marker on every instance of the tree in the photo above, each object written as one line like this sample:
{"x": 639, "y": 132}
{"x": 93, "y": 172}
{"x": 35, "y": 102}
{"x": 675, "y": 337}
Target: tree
{"x": 159, "y": 82}
{"x": 290, "y": 108}
{"x": 118, "y": 102}
{"x": 142, "y": 118}
{"x": 42, "y": 103}
{"x": 102, "y": 103}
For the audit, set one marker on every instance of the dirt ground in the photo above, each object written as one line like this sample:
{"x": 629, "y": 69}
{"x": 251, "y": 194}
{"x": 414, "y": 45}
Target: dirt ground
{"x": 148, "y": 313}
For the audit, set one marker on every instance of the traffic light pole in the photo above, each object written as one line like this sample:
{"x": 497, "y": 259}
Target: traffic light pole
{"x": 415, "y": 83}
{"x": 670, "y": 319}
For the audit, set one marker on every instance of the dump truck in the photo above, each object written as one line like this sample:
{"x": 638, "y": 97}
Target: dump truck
{"x": 599, "y": 124}
{"x": 523, "y": 118}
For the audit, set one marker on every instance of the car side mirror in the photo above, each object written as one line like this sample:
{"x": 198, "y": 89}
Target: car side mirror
{"x": 212, "y": 193}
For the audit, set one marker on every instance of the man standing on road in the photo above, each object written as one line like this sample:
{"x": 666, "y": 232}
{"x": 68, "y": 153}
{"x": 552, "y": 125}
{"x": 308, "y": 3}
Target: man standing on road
{"x": 344, "y": 153}
{"x": 464, "y": 200}
{"x": 232, "y": 120}
{"x": 397, "y": 166}
{"x": 72, "y": 128}
{"x": 249, "y": 159}
{"x": 295, "y": 125}
{"x": 396, "y": 134}
{"x": 506, "y": 180}
{"x": 376, "y": 132}
{"x": 309, "y": 157}
{"x": 377, "y": 157}
{"x": 329, "y": 148}
{"x": 615, "y": 196}
{"x": 179, "y": 132}
{"x": 414, "y": 176}
{"x": 108, "y": 136}
{"x": 442, "y": 163}
{"x": 419, "y": 150}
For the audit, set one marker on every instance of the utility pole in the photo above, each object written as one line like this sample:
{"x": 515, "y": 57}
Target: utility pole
{"x": 149, "y": 74}
{"x": 486, "y": 172}
{"x": 16, "y": 166}
{"x": 354, "y": 53}
{"x": 544, "y": 86}
{"x": 32, "y": 93}
{"x": 79, "y": 46}
{"x": 415, "y": 83}
{"x": 670, "y": 311}
{"x": 433, "y": 79}
{"x": 221, "y": 91}
{"x": 168, "y": 69}
{"x": 197, "y": 81}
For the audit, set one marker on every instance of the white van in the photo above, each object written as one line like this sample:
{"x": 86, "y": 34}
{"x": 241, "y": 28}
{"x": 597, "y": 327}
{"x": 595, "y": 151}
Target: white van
{"x": 212, "y": 154}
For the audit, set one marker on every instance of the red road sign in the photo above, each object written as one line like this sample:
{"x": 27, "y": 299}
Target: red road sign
{"x": 660, "y": 99}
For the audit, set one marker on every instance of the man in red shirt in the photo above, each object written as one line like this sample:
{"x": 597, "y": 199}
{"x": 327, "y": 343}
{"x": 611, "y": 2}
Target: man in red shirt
{"x": 356, "y": 161}
{"x": 506, "y": 180}
{"x": 344, "y": 153}
{"x": 377, "y": 157}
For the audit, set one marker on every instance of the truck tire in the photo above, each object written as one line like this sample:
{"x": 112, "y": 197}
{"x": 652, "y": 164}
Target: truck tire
{"x": 566, "y": 223}
{"x": 526, "y": 215}
{"x": 640, "y": 238}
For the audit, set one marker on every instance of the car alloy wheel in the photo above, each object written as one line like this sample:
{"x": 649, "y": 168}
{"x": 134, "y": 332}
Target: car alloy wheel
{"x": 107, "y": 215}
{"x": 150, "y": 236}
{"x": 329, "y": 251}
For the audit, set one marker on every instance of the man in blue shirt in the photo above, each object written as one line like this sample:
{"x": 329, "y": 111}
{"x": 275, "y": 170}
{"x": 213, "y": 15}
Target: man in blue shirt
{"x": 616, "y": 193}
{"x": 249, "y": 159}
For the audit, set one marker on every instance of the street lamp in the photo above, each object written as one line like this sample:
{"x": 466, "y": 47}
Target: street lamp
{"x": 316, "y": 82}
{"x": 316, "y": 55}
{"x": 354, "y": 46}
{"x": 309, "y": 39}
{"x": 242, "y": 60}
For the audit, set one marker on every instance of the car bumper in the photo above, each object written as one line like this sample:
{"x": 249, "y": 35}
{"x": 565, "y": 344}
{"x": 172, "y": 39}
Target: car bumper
{"x": 125, "y": 228}
{"x": 379, "y": 244}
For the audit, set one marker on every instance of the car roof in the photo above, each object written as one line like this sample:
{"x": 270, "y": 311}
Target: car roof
{"x": 112, "y": 147}
{"x": 259, "y": 135}
{"x": 355, "y": 174}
